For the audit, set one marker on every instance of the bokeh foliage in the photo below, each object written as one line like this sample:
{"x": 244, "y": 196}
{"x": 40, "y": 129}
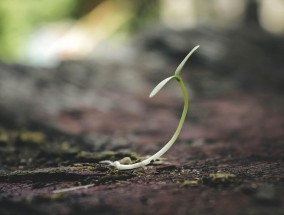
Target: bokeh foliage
{"x": 18, "y": 18}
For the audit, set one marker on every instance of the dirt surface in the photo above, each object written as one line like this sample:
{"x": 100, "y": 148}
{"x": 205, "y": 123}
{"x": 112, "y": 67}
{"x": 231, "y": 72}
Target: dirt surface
{"x": 228, "y": 159}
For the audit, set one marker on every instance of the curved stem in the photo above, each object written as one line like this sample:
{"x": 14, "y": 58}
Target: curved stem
{"x": 171, "y": 141}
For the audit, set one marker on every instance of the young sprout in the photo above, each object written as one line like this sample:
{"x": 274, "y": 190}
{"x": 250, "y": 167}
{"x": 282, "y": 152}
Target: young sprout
{"x": 178, "y": 78}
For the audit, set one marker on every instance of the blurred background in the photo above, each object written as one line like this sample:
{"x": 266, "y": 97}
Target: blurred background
{"x": 61, "y": 57}
{"x": 45, "y": 32}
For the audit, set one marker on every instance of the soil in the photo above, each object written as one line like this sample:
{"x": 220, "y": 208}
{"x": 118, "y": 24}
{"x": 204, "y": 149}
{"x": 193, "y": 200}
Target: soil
{"x": 58, "y": 124}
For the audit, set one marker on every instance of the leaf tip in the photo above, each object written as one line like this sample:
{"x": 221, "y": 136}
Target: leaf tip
{"x": 179, "y": 68}
{"x": 160, "y": 86}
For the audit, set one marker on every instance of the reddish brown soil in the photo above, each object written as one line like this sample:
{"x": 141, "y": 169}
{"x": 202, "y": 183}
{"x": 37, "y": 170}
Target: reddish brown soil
{"x": 240, "y": 137}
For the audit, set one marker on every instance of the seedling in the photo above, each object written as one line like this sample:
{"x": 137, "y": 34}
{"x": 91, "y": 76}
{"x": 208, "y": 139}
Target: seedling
{"x": 178, "y": 78}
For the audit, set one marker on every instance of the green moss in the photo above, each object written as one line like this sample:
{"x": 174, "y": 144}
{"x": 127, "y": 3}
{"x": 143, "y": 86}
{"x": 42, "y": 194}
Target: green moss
{"x": 4, "y": 139}
{"x": 191, "y": 183}
{"x": 31, "y": 137}
{"x": 219, "y": 179}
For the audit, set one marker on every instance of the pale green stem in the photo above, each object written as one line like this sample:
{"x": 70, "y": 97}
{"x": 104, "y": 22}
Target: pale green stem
{"x": 171, "y": 141}
{"x": 180, "y": 124}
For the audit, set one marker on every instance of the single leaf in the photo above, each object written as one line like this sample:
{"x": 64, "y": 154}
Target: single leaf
{"x": 160, "y": 86}
{"x": 179, "y": 68}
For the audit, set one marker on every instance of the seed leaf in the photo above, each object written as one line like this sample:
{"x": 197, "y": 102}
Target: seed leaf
{"x": 160, "y": 86}
{"x": 179, "y": 68}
